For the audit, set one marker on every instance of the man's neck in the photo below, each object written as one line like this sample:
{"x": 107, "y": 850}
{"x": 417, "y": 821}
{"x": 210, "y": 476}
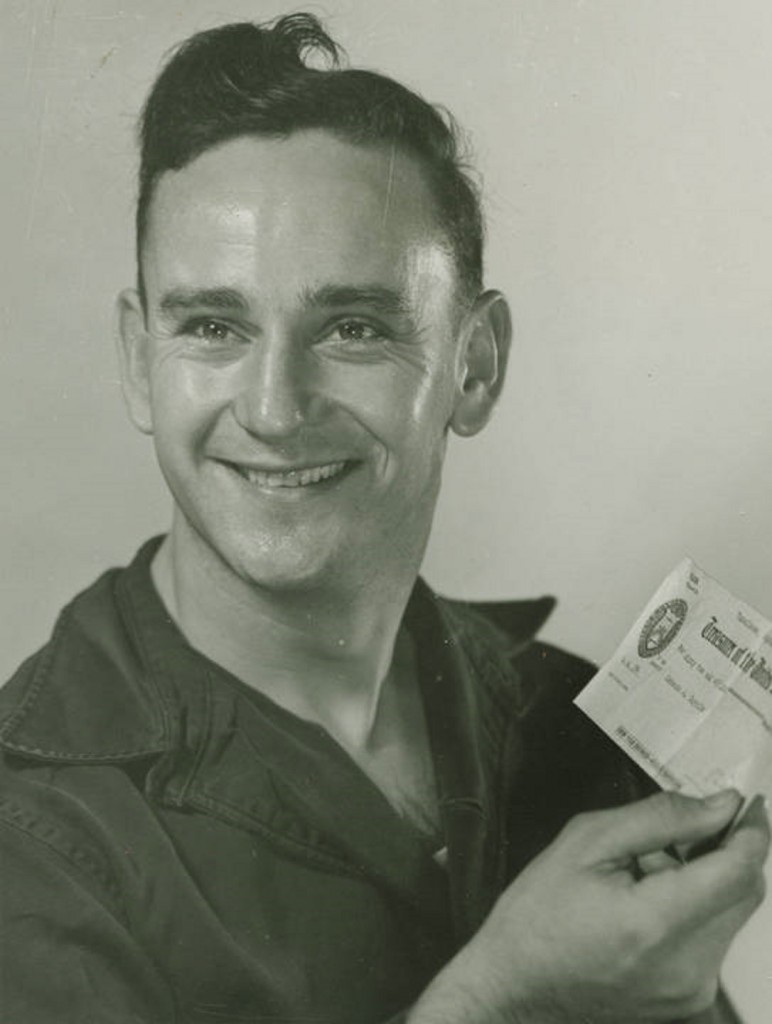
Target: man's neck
{"x": 324, "y": 653}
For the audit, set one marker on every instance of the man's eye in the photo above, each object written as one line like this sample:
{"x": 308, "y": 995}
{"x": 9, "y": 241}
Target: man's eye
{"x": 355, "y": 331}
{"x": 212, "y": 331}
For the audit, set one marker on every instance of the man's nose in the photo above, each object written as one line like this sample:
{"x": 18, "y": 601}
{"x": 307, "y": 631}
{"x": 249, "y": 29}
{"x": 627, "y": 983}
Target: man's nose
{"x": 276, "y": 389}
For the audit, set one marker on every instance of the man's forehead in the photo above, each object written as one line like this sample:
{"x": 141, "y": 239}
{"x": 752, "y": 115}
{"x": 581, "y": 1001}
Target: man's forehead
{"x": 258, "y": 174}
{"x": 302, "y": 214}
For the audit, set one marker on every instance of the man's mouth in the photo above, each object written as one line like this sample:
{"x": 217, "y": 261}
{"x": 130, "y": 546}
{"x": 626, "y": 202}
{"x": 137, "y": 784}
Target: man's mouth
{"x": 300, "y": 477}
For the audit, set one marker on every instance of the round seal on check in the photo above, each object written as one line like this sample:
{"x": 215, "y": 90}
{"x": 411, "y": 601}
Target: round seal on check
{"x": 662, "y": 627}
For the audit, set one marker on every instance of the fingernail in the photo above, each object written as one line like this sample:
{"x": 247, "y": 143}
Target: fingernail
{"x": 724, "y": 798}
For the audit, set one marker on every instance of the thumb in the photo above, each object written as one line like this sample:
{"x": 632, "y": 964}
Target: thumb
{"x": 662, "y": 820}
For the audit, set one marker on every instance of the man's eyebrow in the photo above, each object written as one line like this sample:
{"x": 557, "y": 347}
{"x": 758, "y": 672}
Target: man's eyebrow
{"x": 386, "y": 301}
{"x": 377, "y": 298}
{"x": 226, "y": 299}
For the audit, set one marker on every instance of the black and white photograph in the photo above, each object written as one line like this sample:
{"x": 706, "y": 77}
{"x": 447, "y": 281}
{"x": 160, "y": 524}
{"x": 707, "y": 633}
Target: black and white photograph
{"x": 386, "y": 629}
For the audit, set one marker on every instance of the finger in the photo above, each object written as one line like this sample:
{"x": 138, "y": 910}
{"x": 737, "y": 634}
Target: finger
{"x": 719, "y": 931}
{"x": 753, "y": 829}
{"x": 656, "y": 822}
{"x": 730, "y": 876}
{"x": 756, "y": 807}
{"x": 660, "y": 860}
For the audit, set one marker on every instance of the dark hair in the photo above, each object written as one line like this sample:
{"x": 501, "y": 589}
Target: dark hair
{"x": 247, "y": 79}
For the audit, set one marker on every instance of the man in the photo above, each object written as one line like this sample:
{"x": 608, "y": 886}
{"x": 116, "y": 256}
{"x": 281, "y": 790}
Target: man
{"x": 264, "y": 773}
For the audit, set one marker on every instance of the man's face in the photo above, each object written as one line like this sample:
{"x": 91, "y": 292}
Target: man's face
{"x": 301, "y": 360}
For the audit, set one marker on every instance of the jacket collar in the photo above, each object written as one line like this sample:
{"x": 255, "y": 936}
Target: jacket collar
{"x": 109, "y": 684}
{"x": 118, "y": 682}
{"x": 90, "y": 695}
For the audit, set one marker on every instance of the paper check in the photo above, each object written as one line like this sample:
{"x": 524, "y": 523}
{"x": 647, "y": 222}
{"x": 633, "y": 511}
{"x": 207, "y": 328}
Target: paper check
{"x": 688, "y": 694}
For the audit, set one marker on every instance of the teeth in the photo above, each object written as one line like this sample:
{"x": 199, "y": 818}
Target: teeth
{"x": 292, "y": 477}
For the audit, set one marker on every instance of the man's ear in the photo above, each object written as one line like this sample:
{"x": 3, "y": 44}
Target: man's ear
{"x": 134, "y": 359}
{"x": 485, "y": 337}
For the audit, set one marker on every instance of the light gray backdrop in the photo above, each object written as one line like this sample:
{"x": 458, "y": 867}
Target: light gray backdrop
{"x": 626, "y": 149}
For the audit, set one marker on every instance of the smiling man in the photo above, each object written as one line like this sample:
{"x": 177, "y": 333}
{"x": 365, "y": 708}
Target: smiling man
{"x": 264, "y": 773}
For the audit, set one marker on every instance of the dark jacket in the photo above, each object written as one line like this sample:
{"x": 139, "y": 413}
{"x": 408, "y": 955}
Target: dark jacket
{"x": 175, "y": 847}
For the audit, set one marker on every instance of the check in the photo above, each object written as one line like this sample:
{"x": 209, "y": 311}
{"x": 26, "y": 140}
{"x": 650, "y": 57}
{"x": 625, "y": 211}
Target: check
{"x": 688, "y": 694}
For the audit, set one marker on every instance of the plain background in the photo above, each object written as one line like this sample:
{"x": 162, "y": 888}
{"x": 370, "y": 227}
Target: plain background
{"x": 626, "y": 150}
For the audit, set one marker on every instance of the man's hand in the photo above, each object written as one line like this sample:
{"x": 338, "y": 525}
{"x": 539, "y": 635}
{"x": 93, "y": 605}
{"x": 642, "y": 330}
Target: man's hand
{"x": 584, "y": 935}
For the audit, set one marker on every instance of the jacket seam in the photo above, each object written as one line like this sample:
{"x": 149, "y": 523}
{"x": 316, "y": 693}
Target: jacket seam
{"x": 77, "y": 859}
{"x": 83, "y": 865}
{"x": 125, "y": 604}
{"x": 204, "y": 739}
{"x": 237, "y": 816}
{"x": 85, "y": 756}
{"x": 40, "y": 675}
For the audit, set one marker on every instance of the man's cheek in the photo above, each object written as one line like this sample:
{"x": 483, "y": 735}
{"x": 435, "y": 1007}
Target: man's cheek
{"x": 186, "y": 393}
{"x": 391, "y": 393}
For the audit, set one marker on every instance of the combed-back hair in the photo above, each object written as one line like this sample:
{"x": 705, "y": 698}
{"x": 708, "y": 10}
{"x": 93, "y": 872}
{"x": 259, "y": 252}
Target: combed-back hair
{"x": 250, "y": 79}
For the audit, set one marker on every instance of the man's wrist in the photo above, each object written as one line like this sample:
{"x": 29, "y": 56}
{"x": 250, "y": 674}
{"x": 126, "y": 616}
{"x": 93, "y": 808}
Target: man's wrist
{"x": 468, "y": 992}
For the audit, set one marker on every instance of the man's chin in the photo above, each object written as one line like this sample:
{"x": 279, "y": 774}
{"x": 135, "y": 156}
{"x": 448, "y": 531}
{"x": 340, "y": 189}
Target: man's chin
{"x": 301, "y": 568}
